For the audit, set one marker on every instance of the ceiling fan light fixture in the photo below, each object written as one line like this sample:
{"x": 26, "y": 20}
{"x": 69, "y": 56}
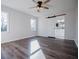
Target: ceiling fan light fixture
{"x": 41, "y": 4}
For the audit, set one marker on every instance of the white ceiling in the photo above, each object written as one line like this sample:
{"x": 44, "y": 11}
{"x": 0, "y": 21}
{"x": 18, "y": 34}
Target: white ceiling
{"x": 55, "y": 6}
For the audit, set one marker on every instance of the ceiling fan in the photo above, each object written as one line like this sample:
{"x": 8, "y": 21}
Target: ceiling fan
{"x": 41, "y": 4}
{"x": 55, "y": 16}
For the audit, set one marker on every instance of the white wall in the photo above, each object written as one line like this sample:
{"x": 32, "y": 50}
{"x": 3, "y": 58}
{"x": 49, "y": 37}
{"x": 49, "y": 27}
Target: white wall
{"x": 44, "y": 27}
{"x": 71, "y": 25}
{"x": 19, "y": 25}
{"x": 76, "y": 25}
{"x": 69, "y": 22}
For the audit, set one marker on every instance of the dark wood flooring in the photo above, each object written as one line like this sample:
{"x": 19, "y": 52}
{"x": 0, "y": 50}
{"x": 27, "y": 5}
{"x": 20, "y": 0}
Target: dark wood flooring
{"x": 39, "y": 48}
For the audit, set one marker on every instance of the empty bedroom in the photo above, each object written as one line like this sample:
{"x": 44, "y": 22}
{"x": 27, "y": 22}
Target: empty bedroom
{"x": 39, "y": 29}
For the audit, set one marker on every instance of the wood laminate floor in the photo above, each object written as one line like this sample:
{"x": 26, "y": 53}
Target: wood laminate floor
{"x": 39, "y": 48}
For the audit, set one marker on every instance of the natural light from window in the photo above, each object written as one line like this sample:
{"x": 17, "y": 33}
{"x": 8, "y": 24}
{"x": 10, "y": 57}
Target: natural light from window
{"x": 33, "y": 25}
{"x": 36, "y": 51}
{"x": 4, "y": 21}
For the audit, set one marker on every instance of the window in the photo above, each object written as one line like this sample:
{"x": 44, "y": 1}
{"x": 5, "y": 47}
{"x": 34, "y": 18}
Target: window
{"x": 4, "y": 20}
{"x": 33, "y": 24}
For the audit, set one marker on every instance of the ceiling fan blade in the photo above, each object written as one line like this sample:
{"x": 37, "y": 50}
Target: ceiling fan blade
{"x": 51, "y": 17}
{"x": 33, "y": 7}
{"x": 55, "y": 16}
{"x": 61, "y": 15}
{"x": 44, "y": 7}
{"x": 46, "y": 1}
